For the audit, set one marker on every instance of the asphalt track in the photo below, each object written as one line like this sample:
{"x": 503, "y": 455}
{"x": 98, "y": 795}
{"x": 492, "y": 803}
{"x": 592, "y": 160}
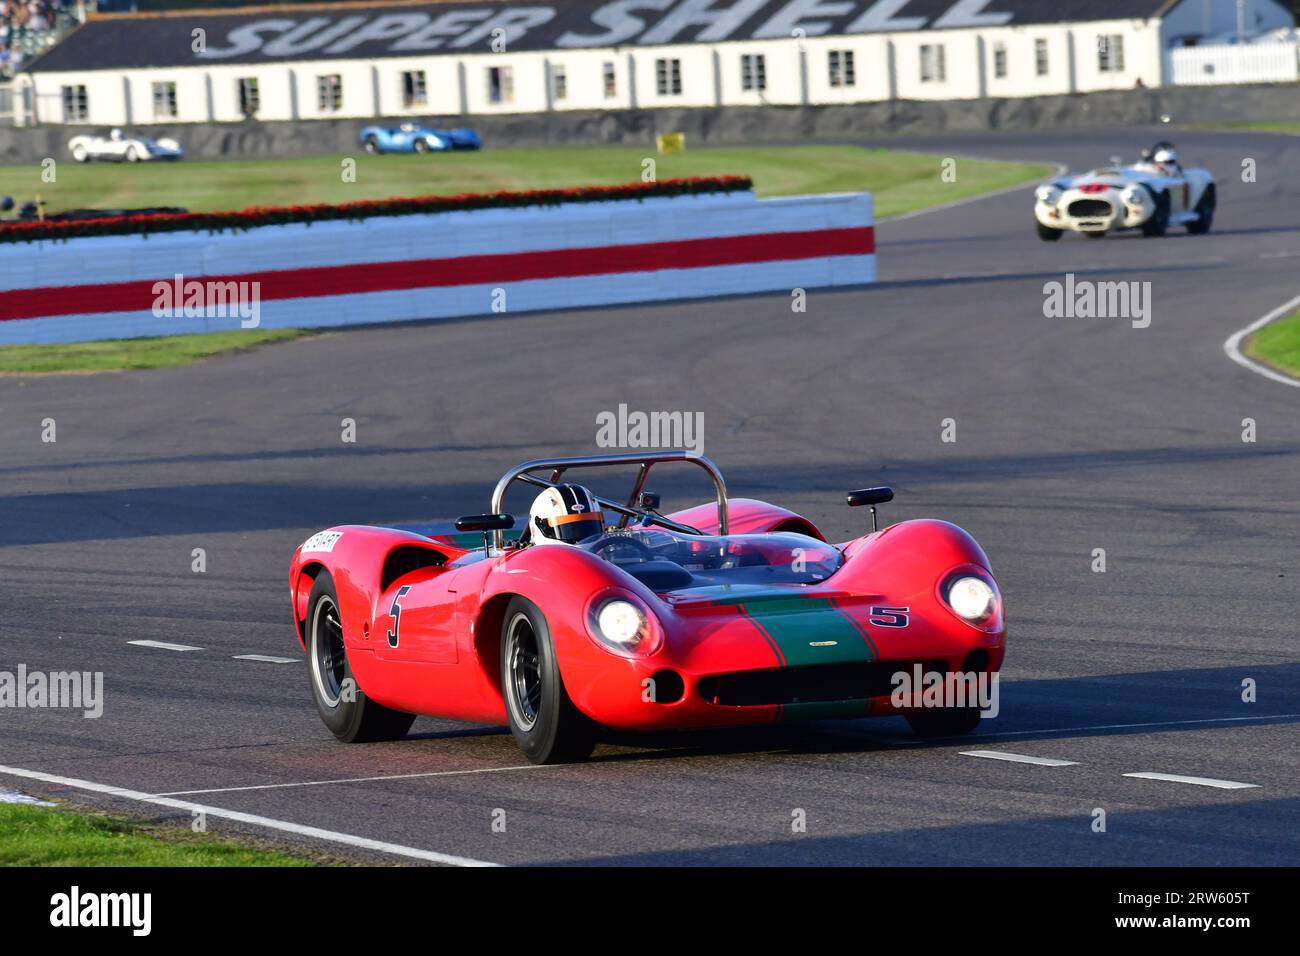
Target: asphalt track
{"x": 1072, "y": 434}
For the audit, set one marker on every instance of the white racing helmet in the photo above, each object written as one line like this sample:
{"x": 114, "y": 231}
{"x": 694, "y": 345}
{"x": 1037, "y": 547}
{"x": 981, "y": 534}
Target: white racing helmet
{"x": 565, "y": 514}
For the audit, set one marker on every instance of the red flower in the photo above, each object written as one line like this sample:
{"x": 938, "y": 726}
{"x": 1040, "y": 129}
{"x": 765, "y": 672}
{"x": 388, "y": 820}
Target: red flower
{"x": 259, "y": 216}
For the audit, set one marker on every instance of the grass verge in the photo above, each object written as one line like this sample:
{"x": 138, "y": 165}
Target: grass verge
{"x": 1278, "y": 345}
{"x": 123, "y": 354}
{"x": 44, "y": 836}
{"x": 901, "y": 181}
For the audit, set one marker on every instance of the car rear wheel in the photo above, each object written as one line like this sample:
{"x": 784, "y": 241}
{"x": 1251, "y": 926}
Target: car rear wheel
{"x": 80, "y": 154}
{"x": 1047, "y": 233}
{"x": 944, "y": 722}
{"x": 1159, "y": 221}
{"x": 345, "y": 709}
{"x": 546, "y": 725}
{"x": 131, "y": 155}
{"x": 1204, "y": 213}
{"x": 372, "y": 145}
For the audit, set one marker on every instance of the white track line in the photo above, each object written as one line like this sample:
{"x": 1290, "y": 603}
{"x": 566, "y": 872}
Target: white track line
{"x": 314, "y": 833}
{"x": 1018, "y": 758}
{"x": 321, "y": 783}
{"x": 1198, "y": 781}
{"x": 164, "y": 646}
{"x": 1233, "y": 345}
{"x": 266, "y": 659}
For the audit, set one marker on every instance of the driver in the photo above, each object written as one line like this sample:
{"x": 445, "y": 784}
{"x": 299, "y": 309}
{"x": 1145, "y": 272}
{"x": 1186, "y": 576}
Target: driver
{"x": 565, "y": 514}
{"x": 1163, "y": 158}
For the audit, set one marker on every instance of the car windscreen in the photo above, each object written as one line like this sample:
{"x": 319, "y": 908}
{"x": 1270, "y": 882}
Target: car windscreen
{"x": 667, "y": 560}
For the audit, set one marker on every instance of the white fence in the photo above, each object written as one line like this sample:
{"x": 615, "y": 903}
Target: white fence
{"x": 1235, "y": 63}
{"x": 388, "y": 269}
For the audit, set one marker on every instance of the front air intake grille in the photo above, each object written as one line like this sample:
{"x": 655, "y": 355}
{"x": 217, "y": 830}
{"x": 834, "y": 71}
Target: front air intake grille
{"x": 822, "y": 682}
{"x": 1089, "y": 208}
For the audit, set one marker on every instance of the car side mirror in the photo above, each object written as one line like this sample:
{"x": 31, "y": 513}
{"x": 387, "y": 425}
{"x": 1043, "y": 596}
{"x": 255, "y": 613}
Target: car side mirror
{"x": 870, "y": 496}
{"x": 485, "y": 523}
{"x": 648, "y": 501}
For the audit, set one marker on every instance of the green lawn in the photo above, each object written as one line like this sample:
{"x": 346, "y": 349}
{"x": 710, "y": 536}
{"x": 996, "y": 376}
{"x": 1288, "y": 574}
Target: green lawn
{"x": 901, "y": 182}
{"x": 44, "y": 836}
{"x": 118, "y": 354}
{"x": 1278, "y": 344}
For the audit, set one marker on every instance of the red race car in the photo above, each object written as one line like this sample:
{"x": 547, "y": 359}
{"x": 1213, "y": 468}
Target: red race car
{"x": 603, "y": 613}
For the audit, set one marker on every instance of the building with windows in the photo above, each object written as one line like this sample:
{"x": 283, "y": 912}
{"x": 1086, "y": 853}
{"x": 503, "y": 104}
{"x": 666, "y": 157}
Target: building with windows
{"x": 408, "y": 59}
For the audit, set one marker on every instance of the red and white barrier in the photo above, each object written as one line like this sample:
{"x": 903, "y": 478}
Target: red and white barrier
{"x": 428, "y": 266}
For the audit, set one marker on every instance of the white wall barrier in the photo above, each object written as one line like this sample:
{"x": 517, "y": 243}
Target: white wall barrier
{"x": 428, "y": 266}
{"x": 1211, "y": 65}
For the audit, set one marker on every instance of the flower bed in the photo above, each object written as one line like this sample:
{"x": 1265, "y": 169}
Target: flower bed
{"x": 257, "y": 217}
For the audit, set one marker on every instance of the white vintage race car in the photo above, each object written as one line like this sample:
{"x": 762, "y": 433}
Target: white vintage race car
{"x": 1153, "y": 194}
{"x": 117, "y": 147}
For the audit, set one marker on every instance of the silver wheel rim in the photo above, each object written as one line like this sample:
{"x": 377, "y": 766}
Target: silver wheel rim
{"x": 327, "y": 652}
{"x": 523, "y": 673}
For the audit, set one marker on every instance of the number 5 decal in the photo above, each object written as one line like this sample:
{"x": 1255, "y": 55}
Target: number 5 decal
{"x": 889, "y": 616}
{"x": 396, "y": 612}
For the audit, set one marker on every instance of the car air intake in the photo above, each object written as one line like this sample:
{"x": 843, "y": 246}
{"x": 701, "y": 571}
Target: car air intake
{"x": 1090, "y": 208}
{"x": 820, "y": 682}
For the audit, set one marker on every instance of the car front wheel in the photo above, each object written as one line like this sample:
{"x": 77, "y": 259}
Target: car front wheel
{"x": 547, "y": 726}
{"x": 1047, "y": 233}
{"x": 343, "y": 706}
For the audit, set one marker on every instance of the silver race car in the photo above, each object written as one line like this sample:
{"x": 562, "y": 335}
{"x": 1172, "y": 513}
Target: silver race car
{"x": 1153, "y": 194}
{"x": 117, "y": 147}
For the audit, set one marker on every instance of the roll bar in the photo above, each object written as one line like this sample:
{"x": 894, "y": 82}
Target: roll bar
{"x": 558, "y": 466}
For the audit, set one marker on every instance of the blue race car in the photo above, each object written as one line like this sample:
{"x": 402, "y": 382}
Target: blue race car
{"x": 412, "y": 138}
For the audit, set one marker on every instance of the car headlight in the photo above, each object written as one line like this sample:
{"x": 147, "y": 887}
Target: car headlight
{"x": 972, "y": 595}
{"x": 623, "y": 625}
{"x": 1048, "y": 195}
{"x": 971, "y": 598}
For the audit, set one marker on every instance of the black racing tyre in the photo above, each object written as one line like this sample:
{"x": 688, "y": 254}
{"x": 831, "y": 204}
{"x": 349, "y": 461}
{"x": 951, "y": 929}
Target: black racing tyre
{"x": 421, "y": 145}
{"x": 1204, "y": 212}
{"x": 1047, "y": 233}
{"x": 372, "y": 145}
{"x": 132, "y": 156}
{"x": 343, "y": 706}
{"x": 1159, "y": 221}
{"x": 546, "y": 725}
{"x": 944, "y": 722}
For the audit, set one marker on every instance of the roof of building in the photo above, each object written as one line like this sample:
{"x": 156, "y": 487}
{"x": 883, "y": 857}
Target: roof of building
{"x": 370, "y": 30}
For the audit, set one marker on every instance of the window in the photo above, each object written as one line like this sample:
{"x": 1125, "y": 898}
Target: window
{"x": 250, "y": 100}
{"x": 329, "y": 93}
{"x": 1110, "y": 53}
{"x": 1040, "y": 56}
{"x": 932, "y": 66}
{"x": 164, "y": 100}
{"x": 611, "y": 80}
{"x": 559, "y": 83}
{"x": 668, "y": 77}
{"x": 414, "y": 89}
{"x": 1000, "y": 60}
{"x": 753, "y": 72}
{"x": 840, "y": 64}
{"x": 75, "y": 106}
{"x": 501, "y": 84}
